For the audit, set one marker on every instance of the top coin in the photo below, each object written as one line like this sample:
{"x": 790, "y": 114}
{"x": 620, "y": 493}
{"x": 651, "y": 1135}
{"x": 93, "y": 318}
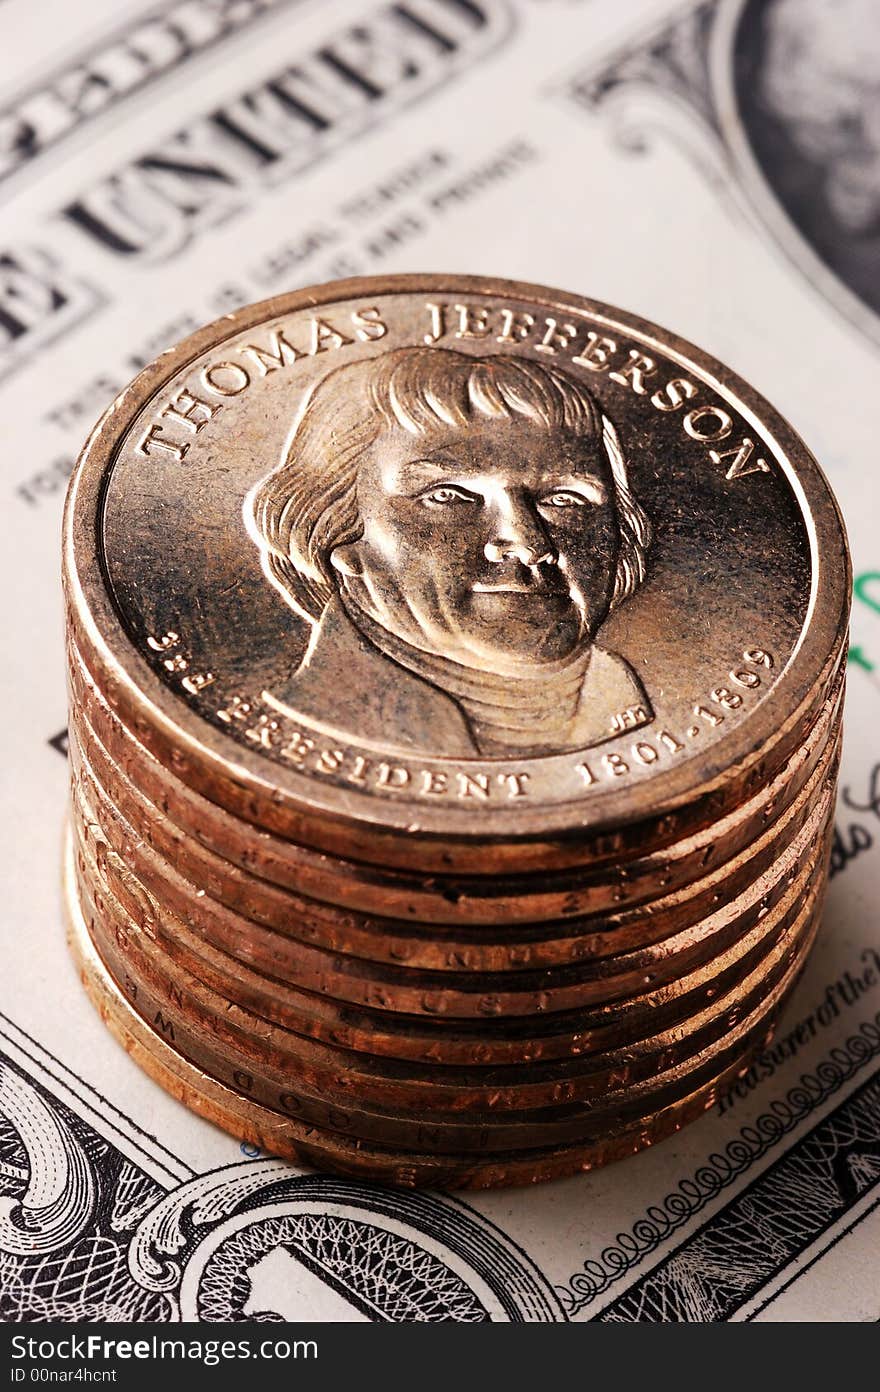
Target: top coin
{"x": 466, "y": 559}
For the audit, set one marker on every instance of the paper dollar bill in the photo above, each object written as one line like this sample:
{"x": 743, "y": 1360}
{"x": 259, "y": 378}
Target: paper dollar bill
{"x": 714, "y": 167}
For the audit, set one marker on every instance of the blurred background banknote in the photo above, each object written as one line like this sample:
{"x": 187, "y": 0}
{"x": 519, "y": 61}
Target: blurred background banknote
{"x": 714, "y": 167}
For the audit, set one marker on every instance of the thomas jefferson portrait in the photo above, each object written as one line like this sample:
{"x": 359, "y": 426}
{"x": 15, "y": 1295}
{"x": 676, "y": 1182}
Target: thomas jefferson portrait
{"x": 456, "y": 530}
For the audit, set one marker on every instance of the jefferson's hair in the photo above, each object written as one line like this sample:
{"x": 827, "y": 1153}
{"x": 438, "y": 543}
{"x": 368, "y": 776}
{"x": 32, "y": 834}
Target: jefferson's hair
{"x": 308, "y": 506}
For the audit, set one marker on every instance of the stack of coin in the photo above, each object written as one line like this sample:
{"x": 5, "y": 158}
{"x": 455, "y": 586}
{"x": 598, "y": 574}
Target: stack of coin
{"x": 455, "y": 670}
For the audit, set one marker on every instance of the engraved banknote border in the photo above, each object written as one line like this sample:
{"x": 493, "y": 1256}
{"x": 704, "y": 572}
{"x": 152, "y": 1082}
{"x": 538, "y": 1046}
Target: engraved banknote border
{"x": 70, "y": 1226}
{"x": 760, "y": 1235}
{"x": 721, "y": 1169}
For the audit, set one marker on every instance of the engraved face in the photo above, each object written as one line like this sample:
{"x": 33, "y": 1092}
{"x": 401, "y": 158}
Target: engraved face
{"x": 456, "y": 529}
{"x": 496, "y": 546}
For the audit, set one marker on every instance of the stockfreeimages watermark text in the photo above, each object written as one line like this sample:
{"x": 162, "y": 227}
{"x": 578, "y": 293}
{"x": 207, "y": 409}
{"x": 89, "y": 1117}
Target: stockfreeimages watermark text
{"x": 86, "y": 1348}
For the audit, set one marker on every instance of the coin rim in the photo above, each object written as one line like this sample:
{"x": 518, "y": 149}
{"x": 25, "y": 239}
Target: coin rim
{"x": 573, "y": 1034}
{"x": 633, "y": 995}
{"x": 334, "y": 1075}
{"x": 193, "y": 901}
{"x": 282, "y": 1135}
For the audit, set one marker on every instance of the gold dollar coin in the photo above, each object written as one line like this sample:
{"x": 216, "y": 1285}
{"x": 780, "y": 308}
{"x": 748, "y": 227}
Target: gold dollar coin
{"x": 456, "y": 673}
{"x": 449, "y": 571}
